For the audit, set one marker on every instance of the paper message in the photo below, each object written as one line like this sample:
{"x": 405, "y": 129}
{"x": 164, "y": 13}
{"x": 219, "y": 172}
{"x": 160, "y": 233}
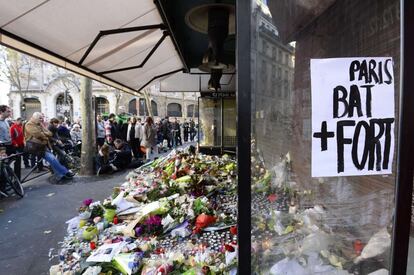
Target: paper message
{"x": 352, "y": 116}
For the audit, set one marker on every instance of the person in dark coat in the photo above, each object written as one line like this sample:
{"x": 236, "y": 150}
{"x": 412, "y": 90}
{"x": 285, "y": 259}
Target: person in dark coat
{"x": 122, "y": 130}
{"x": 192, "y": 130}
{"x": 131, "y": 138}
{"x": 186, "y": 129}
{"x": 176, "y": 133}
{"x": 64, "y": 133}
{"x": 111, "y": 129}
{"x": 166, "y": 131}
{"x": 120, "y": 158}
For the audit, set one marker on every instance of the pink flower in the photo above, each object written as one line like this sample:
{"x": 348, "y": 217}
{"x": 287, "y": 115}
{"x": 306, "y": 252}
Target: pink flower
{"x": 153, "y": 220}
{"x": 87, "y": 202}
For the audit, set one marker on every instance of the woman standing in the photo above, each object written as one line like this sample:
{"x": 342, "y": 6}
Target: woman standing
{"x": 139, "y": 132}
{"x": 149, "y": 140}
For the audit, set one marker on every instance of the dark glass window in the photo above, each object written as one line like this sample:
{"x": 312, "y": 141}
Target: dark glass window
{"x": 174, "y": 110}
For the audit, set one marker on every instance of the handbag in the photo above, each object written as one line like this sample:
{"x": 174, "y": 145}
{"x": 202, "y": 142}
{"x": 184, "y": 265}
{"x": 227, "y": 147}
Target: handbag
{"x": 35, "y": 148}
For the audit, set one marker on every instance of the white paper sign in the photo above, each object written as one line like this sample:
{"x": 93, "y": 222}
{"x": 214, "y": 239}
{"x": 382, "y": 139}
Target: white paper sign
{"x": 352, "y": 116}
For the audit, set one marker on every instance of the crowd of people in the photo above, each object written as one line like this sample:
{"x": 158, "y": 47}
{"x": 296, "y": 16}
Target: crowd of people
{"x": 143, "y": 138}
{"x": 119, "y": 144}
{"x": 34, "y": 139}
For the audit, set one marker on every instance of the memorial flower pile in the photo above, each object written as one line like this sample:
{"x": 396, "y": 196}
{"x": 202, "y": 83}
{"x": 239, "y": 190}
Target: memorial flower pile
{"x": 176, "y": 215}
{"x": 294, "y": 233}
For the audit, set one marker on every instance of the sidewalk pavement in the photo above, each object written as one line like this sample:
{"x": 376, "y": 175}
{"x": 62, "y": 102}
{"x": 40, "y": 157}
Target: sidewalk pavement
{"x": 30, "y": 227}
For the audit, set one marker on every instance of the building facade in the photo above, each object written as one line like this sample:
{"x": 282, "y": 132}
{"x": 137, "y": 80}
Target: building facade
{"x": 272, "y": 63}
{"x": 56, "y": 93}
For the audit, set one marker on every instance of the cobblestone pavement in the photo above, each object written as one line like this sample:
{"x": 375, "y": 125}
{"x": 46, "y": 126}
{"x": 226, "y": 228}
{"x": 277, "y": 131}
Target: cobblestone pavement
{"x": 31, "y": 226}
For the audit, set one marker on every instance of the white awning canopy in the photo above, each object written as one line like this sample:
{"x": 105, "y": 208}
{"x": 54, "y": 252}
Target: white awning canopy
{"x": 125, "y": 44}
{"x": 196, "y": 81}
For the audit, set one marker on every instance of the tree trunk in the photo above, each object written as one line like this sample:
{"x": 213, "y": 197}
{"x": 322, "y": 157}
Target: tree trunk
{"x": 148, "y": 103}
{"x": 195, "y": 105}
{"x": 183, "y": 107}
{"x": 117, "y": 99}
{"x": 88, "y": 128}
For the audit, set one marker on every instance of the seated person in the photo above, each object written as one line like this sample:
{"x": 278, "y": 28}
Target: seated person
{"x": 102, "y": 164}
{"x": 55, "y": 142}
{"x": 76, "y": 133}
{"x": 64, "y": 132}
{"x": 117, "y": 160}
{"x": 36, "y": 133}
{"x": 53, "y": 128}
{"x": 2, "y": 182}
{"x": 122, "y": 155}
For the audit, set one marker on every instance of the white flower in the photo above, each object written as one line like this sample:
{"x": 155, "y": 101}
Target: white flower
{"x": 95, "y": 203}
{"x": 190, "y": 213}
{"x": 167, "y": 220}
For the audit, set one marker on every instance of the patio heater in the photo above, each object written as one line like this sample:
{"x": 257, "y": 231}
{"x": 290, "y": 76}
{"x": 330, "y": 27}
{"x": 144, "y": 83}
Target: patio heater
{"x": 217, "y": 20}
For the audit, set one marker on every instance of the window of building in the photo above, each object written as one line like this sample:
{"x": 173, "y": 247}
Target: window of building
{"x": 143, "y": 110}
{"x": 102, "y": 105}
{"x": 31, "y": 105}
{"x": 132, "y": 106}
{"x": 190, "y": 110}
{"x": 64, "y": 106}
{"x": 174, "y": 110}
{"x": 154, "y": 108}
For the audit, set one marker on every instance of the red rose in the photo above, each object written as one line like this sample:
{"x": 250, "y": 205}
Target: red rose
{"x": 272, "y": 197}
{"x": 229, "y": 248}
{"x": 204, "y": 220}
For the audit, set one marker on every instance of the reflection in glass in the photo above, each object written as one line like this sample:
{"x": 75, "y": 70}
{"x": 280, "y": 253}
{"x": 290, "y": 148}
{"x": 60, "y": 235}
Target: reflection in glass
{"x": 229, "y": 122}
{"x": 210, "y": 122}
{"x": 300, "y": 224}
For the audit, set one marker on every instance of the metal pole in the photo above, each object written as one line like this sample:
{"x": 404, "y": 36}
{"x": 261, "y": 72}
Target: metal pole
{"x": 243, "y": 88}
{"x": 405, "y": 161}
{"x": 222, "y": 126}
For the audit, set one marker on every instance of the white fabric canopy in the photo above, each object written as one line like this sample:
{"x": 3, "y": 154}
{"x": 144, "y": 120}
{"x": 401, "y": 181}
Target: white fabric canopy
{"x": 61, "y": 31}
{"x": 184, "y": 82}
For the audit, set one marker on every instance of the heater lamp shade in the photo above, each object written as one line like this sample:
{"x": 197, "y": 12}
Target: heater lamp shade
{"x": 207, "y": 67}
{"x": 197, "y": 18}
